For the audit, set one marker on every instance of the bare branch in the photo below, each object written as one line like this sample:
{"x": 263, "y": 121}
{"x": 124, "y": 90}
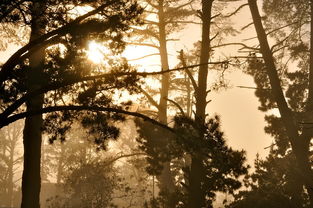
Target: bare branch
{"x": 181, "y": 6}
{"x": 185, "y": 22}
{"x": 211, "y": 39}
{"x": 237, "y": 10}
{"x": 246, "y": 26}
{"x": 136, "y": 59}
{"x": 143, "y": 44}
{"x": 252, "y": 88}
{"x": 214, "y": 16}
{"x": 244, "y": 46}
{"x": 172, "y": 39}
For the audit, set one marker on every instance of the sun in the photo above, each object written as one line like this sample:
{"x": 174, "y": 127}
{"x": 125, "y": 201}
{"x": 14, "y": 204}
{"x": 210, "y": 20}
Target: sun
{"x": 96, "y": 52}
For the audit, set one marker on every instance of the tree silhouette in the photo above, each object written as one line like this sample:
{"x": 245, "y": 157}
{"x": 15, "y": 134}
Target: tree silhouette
{"x": 273, "y": 184}
{"x": 294, "y": 111}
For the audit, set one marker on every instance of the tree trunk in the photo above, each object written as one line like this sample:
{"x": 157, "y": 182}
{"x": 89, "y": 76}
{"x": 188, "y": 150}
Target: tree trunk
{"x": 197, "y": 194}
{"x": 165, "y": 179}
{"x": 33, "y": 125}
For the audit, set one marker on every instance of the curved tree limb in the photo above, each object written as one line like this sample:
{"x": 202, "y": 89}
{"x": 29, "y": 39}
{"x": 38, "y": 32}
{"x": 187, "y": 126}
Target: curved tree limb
{"x": 45, "y": 110}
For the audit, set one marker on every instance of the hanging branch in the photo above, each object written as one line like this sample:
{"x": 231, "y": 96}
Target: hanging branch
{"x": 18, "y": 116}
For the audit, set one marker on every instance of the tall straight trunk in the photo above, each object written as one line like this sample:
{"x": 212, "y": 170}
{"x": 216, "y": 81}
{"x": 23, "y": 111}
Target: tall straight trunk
{"x": 31, "y": 180}
{"x": 299, "y": 143}
{"x": 196, "y": 192}
{"x": 166, "y": 179}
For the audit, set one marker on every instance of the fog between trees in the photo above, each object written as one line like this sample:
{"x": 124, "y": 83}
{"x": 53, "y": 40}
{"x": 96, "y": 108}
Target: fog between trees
{"x": 111, "y": 133}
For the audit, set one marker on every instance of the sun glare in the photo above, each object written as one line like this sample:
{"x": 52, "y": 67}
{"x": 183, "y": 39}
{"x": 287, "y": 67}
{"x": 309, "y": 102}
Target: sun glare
{"x": 96, "y": 52}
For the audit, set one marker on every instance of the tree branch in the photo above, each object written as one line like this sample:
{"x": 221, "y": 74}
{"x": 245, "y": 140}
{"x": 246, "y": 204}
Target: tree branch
{"x": 135, "y": 59}
{"x": 18, "y": 116}
{"x": 244, "y": 46}
{"x": 177, "y": 105}
{"x": 246, "y": 26}
{"x": 150, "y": 98}
{"x": 143, "y": 44}
{"x": 237, "y": 10}
{"x": 185, "y": 22}
{"x": 123, "y": 156}
{"x": 181, "y": 6}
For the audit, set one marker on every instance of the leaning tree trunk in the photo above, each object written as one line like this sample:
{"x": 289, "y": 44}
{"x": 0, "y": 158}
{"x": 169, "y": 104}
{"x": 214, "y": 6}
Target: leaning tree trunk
{"x": 299, "y": 143}
{"x": 197, "y": 176}
{"x": 33, "y": 125}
